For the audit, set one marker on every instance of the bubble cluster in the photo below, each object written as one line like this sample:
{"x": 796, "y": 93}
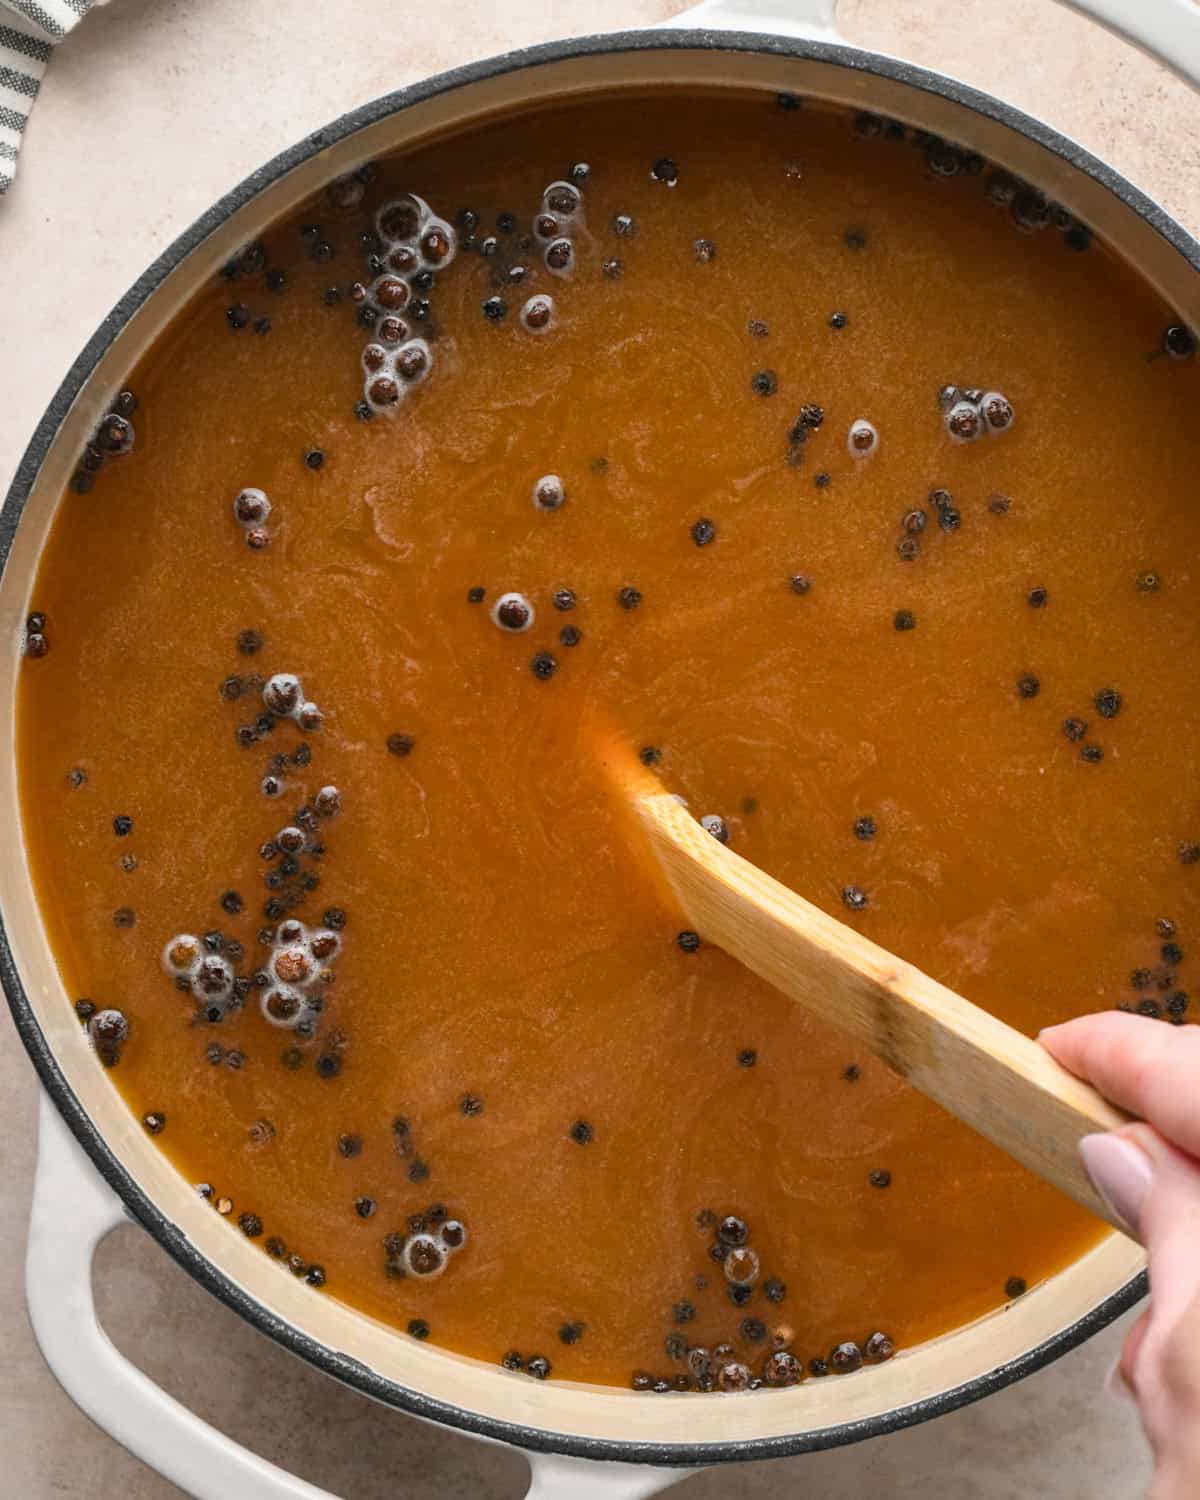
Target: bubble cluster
{"x": 970, "y": 414}
{"x": 298, "y": 967}
{"x": 250, "y": 510}
{"x": 283, "y": 696}
{"x": 113, "y": 438}
{"x": 414, "y": 244}
{"x": 426, "y": 1251}
{"x": 109, "y": 1031}
{"x": 208, "y": 977}
{"x": 554, "y": 227}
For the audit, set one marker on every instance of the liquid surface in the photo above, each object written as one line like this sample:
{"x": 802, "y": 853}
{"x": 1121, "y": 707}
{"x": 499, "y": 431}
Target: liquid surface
{"x": 514, "y": 1031}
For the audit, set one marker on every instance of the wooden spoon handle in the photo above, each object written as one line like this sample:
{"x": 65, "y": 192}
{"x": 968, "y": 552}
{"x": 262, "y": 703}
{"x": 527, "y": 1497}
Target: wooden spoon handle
{"x": 991, "y": 1076}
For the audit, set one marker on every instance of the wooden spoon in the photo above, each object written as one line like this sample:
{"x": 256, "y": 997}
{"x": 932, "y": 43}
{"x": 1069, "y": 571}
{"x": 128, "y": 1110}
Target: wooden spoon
{"x": 991, "y": 1076}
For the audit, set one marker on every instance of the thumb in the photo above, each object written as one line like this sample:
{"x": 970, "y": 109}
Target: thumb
{"x": 1155, "y": 1188}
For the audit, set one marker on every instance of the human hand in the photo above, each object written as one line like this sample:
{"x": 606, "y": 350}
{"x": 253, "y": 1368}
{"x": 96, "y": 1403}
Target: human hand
{"x": 1150, "y": 1174}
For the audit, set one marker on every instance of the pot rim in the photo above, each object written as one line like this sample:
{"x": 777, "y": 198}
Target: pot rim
{"x": 139, "y": 1205}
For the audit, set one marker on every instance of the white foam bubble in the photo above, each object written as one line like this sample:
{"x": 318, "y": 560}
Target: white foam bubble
{"x": 862, "y": 440}
{"x": 293, "y": 966}
{"x": 548, "y": 493}
{"x": 452, "y": 1235}
{"x": 439, "y": 244}
{"x": 413, "y": 362}
{"x": 963, "y": 422}
{"x": 328, "y": 802}
{"x": 251, "y": 506}
{"x": 383, "y": 392}
{"x": 401, "y": 220}
{"x": 997, "y": 411}
{"x": 283, "y": 1006}
{"x": 282, "y": 693}
{"x": 391, "y": 331}
{"x": 715, "y": 824}
{"x": 742, "y": 1266}
{"x": 538, "y": 313}
{"x": 390, "y": 292}
{"x": 212, "y": 978}
{"x": 563, "y": 199}
{"x": 182, "y": 954}
{"x": 424, "y": 1256}
{"x": 512, "y": 604}
{"x": 559, "y": 257}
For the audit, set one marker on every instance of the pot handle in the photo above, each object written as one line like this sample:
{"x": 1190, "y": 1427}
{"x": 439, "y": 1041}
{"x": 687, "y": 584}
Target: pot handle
{"x": 810, "y": 20}
{"x": 553, "y": 1477}
{"x": 1168, "y": 30}
{"x": 73, "y": 1210}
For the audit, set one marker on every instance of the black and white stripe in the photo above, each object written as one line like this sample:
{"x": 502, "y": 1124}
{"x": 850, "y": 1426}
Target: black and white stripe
{"x": 28, "y": 31}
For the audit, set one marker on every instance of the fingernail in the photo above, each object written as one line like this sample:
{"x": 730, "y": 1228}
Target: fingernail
{"x": 1116, "y": 1387}
{"x": 1120, "y": 1173}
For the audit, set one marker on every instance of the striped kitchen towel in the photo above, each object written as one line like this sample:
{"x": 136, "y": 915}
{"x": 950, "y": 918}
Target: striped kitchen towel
{"x": 28, "y": 32}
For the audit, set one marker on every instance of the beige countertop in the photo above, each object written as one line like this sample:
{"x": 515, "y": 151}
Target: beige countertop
{"x": 150, "y": 110}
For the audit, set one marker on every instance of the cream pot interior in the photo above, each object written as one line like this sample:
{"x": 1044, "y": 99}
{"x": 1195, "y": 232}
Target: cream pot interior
{"x": 599, "y": 1422}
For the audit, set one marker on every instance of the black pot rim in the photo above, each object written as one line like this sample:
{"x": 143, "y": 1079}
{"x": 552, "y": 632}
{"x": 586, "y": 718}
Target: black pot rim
{"x": 351, "y": 1372}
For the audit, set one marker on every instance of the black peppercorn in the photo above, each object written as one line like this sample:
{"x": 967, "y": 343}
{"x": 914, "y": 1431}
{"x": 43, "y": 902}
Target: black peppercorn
{"x": 1108, "y": 703}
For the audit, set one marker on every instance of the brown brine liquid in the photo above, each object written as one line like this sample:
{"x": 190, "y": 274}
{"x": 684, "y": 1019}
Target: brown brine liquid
{"x": 943, "y": 688}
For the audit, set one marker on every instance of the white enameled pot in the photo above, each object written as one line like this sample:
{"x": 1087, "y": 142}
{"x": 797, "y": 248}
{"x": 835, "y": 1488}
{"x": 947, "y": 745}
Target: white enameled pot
{"x": 95, "y": 1164}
